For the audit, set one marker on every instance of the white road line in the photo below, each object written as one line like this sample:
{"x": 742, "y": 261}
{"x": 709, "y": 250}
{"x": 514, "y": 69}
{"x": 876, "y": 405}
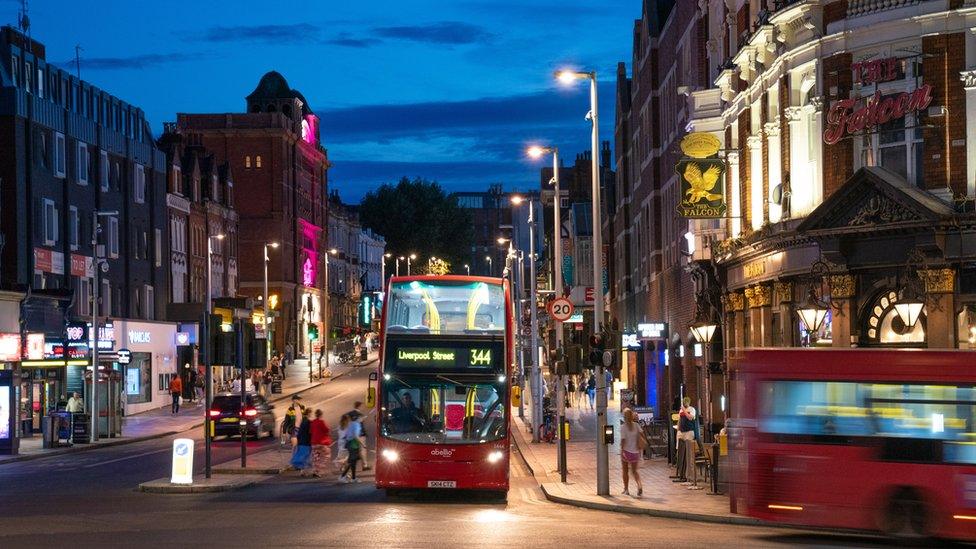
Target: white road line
{"x": 126, "y": 457}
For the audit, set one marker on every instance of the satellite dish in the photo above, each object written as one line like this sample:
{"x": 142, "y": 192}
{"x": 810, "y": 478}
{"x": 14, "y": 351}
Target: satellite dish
{"x": 776, "y": 196}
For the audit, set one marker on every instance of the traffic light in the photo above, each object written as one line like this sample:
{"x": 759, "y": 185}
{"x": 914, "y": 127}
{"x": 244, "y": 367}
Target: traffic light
{"x": 313, "y": 332}
{"x": 555, "y": 357}
{"x": 596, "y": 350}
{"x": 574, "y": 359}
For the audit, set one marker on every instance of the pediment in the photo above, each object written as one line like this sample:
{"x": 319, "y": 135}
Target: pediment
{"x": 875, "y": 198}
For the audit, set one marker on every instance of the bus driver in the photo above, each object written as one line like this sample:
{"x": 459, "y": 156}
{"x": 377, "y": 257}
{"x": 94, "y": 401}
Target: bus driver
{"x": 407, "y": 418}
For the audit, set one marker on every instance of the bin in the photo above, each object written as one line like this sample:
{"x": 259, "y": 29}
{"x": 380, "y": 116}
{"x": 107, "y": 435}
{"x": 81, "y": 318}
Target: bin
{"x": 49, "y": 432}
{"x": 80, "y": 428}
{"x": 276, "y": 387}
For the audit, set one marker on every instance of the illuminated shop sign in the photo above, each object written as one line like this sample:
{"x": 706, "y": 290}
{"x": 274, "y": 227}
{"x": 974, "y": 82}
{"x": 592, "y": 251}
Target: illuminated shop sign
{"x": 652, "y": 330}
{"x": 847, "y": 117}
{"x": 461, "y": 357}
{"x": 9, "y": 347}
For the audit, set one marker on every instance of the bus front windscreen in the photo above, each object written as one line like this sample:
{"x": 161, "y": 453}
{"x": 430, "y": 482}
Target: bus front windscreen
{"x": 436, "y": 409}
{"x": 446, "y": 308}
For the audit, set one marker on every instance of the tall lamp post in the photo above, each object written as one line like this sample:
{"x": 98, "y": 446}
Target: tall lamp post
{"x": 325, "y": 314}
{"x": 536, "y": 378}
{"x": 537, "y": 152}
{"x": 488, "y": 260}
{"x": 398, "y": 260}
{"x": 409, "y": 258}
{"x": 467, "y": 269}
{"x": 267, "y": 306}
{"x": 98, "y": 263}
{"x": 208, "y": 358}
{"x": 602, "y": 456}
{"x": 383, "y": 271}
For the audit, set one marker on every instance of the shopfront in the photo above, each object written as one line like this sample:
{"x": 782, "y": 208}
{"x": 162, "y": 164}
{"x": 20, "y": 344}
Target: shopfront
{"x": 152, "y": 363}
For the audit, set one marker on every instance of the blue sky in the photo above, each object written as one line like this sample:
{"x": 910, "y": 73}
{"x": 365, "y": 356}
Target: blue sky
{"x": 449, "y": 90}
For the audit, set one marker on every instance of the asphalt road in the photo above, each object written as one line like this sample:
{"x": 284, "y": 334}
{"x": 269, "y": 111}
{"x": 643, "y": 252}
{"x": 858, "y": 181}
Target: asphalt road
{"x": 90, "y": 499}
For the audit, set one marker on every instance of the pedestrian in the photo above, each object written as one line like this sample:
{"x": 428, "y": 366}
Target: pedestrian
{"x": 191, "y": 379}
{"x": 340, "y": 455}
{"x": 198, "y": 386}
{"x": 687, "y": 417}
{"x": 291, "y": 420}
{"x": 282, "y": 365}
{"x": 353, "y": 444}
{"x": 591, "y": 390}
{"x": 357, "y": 415}
{"x": 321, "y": 443}
{"x": 570, "y": 391}
{"x": 176, "y": 391}
{"x": 289, "y": 355}
{"x": 301, "y": 456}
{"x": 632, "y": 442}
{"x": 75, "y": 404}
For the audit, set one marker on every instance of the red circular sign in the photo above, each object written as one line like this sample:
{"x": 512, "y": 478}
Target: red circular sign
{"x": 560, "y": 309}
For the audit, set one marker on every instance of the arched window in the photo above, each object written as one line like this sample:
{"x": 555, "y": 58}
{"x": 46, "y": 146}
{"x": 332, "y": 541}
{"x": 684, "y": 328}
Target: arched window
{"x": 255, "y": 108}
{"x": 247, "y": 161}
{"x": 271, "y": 108}
{"x": 286, "y": 109}
{"x": 257, "y": 161}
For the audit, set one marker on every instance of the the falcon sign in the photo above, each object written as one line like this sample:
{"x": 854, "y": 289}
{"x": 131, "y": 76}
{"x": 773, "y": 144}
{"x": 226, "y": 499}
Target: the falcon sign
{"x": 702, "y": 177}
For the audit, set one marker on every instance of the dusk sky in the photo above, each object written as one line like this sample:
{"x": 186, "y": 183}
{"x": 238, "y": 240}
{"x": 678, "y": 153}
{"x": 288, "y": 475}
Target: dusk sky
{"x": 447, "y": 90}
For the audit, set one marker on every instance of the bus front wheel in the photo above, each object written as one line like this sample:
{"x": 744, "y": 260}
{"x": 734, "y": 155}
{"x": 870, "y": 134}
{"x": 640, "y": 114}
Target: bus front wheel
{"x": 906, "y": 516}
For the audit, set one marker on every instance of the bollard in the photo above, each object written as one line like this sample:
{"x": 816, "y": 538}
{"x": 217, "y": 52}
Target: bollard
{"x": 716, "y": 451}
{"x": 671, "y": 445}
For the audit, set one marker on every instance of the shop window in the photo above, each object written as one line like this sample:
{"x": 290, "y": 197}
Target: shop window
{"x": 966, "y": 327}
{"x": 138, "y": 379}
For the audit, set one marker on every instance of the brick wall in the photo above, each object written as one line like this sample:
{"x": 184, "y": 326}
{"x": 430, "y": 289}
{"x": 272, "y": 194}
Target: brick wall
{"x": 745, "y": 163}
{"x": 838, "y": 159}
{"x": 941, "y": 70}
{"x": 833, "y": 12}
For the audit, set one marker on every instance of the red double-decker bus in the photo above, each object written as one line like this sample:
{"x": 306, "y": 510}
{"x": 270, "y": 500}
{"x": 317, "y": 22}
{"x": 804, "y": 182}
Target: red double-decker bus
{"x": 444, "y": 384}
{"x": 863, "y": 439}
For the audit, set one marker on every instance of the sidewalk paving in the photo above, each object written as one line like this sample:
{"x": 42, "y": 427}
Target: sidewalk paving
{"x": 661, "y": 496}
{"x": 160, "y": 422}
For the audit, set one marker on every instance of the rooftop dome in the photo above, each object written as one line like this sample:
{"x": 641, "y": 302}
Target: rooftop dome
{"x": 274, "y": 86}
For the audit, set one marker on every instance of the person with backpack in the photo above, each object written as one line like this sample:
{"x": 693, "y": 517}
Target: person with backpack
{"x": 353, "y": 444}
{"x": 301, "y": 456}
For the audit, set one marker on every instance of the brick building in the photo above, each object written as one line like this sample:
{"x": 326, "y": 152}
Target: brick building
{"x": 850, "y": 169}
{"x": 650, "y": 256}
{"x": 280, "y": 179}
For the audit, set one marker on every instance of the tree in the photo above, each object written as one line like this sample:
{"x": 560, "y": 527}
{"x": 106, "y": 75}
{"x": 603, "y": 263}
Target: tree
{"x": 417, "y": 216}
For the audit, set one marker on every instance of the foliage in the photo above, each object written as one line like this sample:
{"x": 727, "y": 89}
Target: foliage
{"x": 417, "y": 216}
{"x": 438, "y": 267}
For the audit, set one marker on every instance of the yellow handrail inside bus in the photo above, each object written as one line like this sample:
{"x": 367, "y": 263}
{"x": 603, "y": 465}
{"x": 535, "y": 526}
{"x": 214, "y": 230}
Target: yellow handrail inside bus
{"x": 433, "y": 316}
{"x": 478, "y": 298}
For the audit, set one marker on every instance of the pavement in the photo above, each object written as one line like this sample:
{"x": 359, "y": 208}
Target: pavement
{"x": 159, "y": 422}
{"x": 661, "y": 497}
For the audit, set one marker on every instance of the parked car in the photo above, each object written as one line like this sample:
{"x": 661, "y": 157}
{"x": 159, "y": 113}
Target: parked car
{"x": 225, "y": 412}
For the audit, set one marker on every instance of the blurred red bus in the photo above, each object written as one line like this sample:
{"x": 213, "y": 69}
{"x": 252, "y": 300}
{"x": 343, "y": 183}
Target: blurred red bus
{"x": 854, "y": 438}
{"x": 444, "y": 384}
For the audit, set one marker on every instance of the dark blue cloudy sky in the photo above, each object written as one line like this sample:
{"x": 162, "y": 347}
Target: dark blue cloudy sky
{"x": 450, "y": 90}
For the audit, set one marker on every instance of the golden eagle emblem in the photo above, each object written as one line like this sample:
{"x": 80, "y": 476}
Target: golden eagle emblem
{"x": 701, "y": 184}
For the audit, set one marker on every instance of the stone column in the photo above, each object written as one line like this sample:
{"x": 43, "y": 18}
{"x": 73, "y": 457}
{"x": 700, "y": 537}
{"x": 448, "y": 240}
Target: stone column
{"x": 969, "y": 84}
{"x": 774, "y": 169}
{"x": 760, "y": 308}
{"x": 736, "y": 307}
{"x": 843, "y": 322}
{"x": 939, "y": 307}
{"x": 755, "y": 199}
{"x": 732, "y": 192}
{"x": 783, "y": 298}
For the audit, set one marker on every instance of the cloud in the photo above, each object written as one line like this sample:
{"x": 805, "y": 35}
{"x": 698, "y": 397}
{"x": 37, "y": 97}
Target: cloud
{"x": 143, "y": 61}
{"x": 267, "y": 34}
{"x": 444, "y": 32}
{"x": 347, "y": 40}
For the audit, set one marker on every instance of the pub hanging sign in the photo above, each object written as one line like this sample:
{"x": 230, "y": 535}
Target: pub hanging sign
{"x": 846, "y": 117}
{"x": 702, "y": 177}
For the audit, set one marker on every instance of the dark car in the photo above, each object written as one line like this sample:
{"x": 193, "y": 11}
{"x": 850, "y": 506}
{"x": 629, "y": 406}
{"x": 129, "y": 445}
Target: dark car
{"x": 225, "y": 412}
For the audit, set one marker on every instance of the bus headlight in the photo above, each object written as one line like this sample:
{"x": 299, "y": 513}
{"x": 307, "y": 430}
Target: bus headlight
{"x": 391, "y": 455}
{"x": 495, "y": 456}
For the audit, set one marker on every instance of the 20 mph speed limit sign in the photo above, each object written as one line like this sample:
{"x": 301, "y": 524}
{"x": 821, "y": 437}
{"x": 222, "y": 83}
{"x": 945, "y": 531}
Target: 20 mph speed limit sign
{"x": 560, "y": 309}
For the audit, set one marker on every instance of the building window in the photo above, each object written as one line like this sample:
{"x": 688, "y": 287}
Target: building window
{"x": 74, "y": 227}
{"x": 81, "y": 164}
{"x": 15, "y": 69}
{"x": 105, "y": 298}
{"x": 27, "y": 77}
{"x": 50, "y": 219}
{"x": 139, "y": 184}
{"x": 103, "y": 170}
{"x": 116, "y": 175}
{"x": 113, "y": 237}
{"x": 176, "y": 184}
{"x": 149, "y": 299}
{"x": 247, "y": 161}
{"x": 82, "y": 295}
{"x": 158, "y": 246}
{"x": 257, "y": 161}
{"x": 138, "y": 379}
{"x": 59, "y": 161}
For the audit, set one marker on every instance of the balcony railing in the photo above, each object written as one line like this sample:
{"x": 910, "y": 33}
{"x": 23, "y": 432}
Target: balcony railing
{"x": 865, "y": 7}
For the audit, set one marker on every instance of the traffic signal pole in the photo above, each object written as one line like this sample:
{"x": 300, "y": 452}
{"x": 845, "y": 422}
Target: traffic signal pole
{"x": 557, "y": 255}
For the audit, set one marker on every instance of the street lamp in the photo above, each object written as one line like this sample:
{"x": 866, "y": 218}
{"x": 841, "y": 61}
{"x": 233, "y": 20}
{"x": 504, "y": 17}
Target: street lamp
{"x": 488, "y": 259}
{"x": 267, "y": 307}
{"x": 536, "y": 379}
{"x": 813, "y": 313}
{"x": 398, "y": 260}
{"x": 98, "y": 265}
{"x": 467, "y": 268}
{"x": 326, "y": 313}
{"x": 208, "y": 360}
{"x": 383, "y": 271}
{"x": 602, "y": 456}
{"x": 703, "y": 331}
{"x": 409, "y": 258}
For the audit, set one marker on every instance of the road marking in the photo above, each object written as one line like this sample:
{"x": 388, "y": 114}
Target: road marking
{"x": 126, "y": 457}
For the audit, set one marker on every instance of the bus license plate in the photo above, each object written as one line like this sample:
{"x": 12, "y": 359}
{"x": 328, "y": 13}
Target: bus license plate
{"x": 441, "y": 484}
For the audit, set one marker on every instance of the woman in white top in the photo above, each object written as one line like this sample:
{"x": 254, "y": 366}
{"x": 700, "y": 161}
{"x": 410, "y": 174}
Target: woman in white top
{"x": 630, "y": 451}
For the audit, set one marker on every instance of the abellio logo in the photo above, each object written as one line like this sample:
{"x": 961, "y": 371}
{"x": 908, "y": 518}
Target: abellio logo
{"x": 442, "y": 452}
